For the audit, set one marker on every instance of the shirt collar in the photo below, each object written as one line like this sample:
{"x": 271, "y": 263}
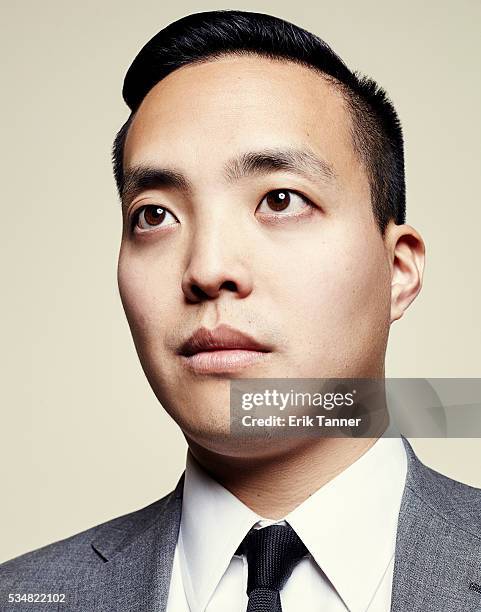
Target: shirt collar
{"x": 213, "y": 524}
{"x": 349, "y": 526}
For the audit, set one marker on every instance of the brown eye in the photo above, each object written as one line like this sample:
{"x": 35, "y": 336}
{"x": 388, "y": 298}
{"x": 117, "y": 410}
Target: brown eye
{"x": 280, "y": 200}
{"x": 152, "y": 216}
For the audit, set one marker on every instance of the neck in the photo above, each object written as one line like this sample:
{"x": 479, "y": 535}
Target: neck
{"x": 273, "y": 486}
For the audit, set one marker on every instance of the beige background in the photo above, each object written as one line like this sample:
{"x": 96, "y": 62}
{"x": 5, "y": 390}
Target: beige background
{"x": 83, "y": 437}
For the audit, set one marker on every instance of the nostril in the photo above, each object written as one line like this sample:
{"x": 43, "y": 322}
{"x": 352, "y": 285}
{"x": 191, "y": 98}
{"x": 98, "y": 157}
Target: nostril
{"x": 207, "y": 293}
{"x": 197, "y": 291}
{"x": 229, "y": 285}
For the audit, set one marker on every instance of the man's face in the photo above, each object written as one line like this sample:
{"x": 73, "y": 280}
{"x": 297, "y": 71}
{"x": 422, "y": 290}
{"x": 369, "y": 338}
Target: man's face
{"x": 291, "y": 256}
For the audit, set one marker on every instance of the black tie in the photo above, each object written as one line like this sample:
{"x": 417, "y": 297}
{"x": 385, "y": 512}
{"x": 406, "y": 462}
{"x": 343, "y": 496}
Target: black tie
{"x": 272, "y": 552}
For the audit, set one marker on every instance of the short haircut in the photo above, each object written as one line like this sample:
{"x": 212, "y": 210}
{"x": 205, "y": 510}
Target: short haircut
{"x": 375, "y": 128}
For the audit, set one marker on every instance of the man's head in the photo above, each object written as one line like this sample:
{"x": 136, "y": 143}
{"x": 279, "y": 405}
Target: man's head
{"x": 262, "y": 187}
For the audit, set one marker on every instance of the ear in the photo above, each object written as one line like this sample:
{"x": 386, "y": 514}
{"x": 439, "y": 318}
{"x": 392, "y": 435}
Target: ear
{"x": 406, "y": 258}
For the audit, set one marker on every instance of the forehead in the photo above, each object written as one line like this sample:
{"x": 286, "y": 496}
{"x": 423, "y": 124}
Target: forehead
{"x": 201, "y": 112}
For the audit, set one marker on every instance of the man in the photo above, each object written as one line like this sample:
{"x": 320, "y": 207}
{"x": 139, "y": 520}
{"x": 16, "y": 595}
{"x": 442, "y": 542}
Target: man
{"x": 264, "y": 236}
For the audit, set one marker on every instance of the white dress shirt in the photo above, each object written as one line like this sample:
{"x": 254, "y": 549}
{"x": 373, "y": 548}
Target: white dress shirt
{"x": 349, "y": 527}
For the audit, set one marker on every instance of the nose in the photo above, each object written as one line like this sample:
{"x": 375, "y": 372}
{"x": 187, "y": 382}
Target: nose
{"x": 216, "y": 263}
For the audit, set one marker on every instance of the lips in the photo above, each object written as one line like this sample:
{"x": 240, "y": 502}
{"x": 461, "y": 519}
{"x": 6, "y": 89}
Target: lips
{"x": 223, "y": 350}
{"x": 222, "y": 338}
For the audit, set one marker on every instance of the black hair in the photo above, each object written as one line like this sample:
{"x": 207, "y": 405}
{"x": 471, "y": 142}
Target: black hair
{"x": 375, "y": 127}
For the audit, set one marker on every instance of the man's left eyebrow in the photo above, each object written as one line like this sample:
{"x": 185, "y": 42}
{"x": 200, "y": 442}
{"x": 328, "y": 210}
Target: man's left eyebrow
{"x": 297, "y": 161}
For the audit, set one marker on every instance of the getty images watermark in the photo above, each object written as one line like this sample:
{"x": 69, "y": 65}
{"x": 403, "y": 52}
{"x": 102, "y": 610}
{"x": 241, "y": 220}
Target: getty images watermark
{"x": 361, "y": 407}
{"x": 273, "y": 398}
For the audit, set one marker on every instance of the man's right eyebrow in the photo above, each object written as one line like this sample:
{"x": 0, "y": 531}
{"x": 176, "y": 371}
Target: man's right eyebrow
{"x": 141, "y": 178}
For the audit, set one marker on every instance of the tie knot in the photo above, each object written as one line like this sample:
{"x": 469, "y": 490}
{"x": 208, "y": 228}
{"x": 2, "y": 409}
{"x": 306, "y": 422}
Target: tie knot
{"x": 272, "y": 552}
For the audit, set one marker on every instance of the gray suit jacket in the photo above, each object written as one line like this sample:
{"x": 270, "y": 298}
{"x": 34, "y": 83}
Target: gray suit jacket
{"x": 125, "y": 564}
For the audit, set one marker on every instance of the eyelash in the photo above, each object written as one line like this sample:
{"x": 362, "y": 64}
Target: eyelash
{"x": 305, "y": 199}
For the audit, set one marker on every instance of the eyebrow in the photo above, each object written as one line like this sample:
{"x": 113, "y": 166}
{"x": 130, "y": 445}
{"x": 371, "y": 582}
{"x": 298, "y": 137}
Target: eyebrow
{"x": 253, "y": 163}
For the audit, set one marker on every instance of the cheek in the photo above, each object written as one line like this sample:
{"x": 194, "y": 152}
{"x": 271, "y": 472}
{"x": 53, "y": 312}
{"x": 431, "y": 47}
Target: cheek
{"x": 145, "y": 291}
{"x": 134, "y": 295}
{"x": 336, "y": 284}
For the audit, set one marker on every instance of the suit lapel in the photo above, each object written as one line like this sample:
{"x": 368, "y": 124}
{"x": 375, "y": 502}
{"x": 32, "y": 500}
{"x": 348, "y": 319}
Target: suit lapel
{"x": 438, "y": 549}
{"x": 437, "y": 561}
{"x": 138, "y": 551}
